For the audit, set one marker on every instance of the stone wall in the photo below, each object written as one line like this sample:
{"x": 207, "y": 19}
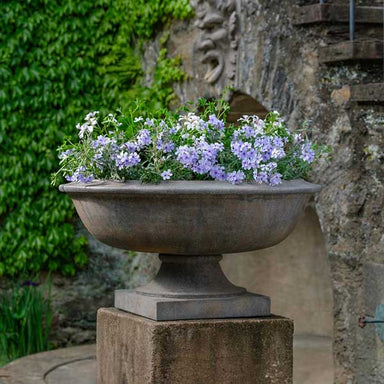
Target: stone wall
{"x": 277, "y": 64}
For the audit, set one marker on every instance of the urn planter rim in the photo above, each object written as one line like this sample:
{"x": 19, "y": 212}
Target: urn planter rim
{"x": 186, "y": 187}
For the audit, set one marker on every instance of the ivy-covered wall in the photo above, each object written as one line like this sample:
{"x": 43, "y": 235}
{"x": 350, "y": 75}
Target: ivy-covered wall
{"x": 58, "y": 61}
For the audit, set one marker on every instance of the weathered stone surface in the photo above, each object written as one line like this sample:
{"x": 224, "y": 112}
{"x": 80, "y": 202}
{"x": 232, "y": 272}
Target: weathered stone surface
{"x": 312, "y": 364}
{"x": 160, "y": 309}
{"x": 135, "y": 350}
{"x": 41, "y": 368}
{"x": 335, "y": 13}
{"x": 352, "y": 50}
{"x": 370, "y": 347}
{"x": 278, "y": 65}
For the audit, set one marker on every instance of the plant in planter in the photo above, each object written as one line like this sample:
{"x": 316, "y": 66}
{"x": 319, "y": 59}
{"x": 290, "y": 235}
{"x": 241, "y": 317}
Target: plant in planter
{"x": 190, "y": 187}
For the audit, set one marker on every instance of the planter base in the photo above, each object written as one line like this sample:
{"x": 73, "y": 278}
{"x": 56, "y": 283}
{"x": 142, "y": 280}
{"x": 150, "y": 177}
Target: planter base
{"x": 135, "y": 350}
{"x": 191, "y": 287}
{"x": 159, "y": 309}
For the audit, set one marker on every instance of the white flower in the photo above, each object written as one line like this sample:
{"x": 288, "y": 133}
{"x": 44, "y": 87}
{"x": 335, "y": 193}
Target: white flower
{"x": 83, "y": 129}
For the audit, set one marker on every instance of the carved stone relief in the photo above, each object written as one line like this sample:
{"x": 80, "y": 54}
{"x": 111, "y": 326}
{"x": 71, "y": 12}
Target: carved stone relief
{"x": 216, "y": 47}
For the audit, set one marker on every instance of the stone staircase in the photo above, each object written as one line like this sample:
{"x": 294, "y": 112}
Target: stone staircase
{"x": 361, "y": 43}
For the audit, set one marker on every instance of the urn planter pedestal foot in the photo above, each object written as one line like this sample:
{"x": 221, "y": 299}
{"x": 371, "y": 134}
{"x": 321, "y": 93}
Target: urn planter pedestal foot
{"x": 191, "y": 287}
{"x": 135, "y": 350}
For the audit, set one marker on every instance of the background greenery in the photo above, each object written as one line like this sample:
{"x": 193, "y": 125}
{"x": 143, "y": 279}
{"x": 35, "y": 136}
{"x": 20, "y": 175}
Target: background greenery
{"x": 25, "y": 320}
{"x": 58, "y": 61}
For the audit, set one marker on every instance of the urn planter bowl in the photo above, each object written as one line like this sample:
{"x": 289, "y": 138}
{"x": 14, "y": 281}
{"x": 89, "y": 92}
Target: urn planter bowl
{"x": 190, "y": 224}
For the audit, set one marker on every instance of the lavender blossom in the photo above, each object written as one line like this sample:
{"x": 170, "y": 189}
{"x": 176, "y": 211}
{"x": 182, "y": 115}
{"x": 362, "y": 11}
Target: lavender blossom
{"x": 307, "y": 153}
{"x": 275, "y": 179}
{"x": 166, "y": 175}
{"x": 127, "y": 160}
{"x": 236, "y": 177}
{"x": 129, "y": 146}
{"x": 143, "y": 138}
{"x": 65, "y": 154}
{"x": 79, "y": 176}
{"x": 101, "y": 141}
{"x": 168, "y": 147}
{"x": 260, "y": 177}
{"x": 217, "y": 172}
{"x": 217, "y": 123}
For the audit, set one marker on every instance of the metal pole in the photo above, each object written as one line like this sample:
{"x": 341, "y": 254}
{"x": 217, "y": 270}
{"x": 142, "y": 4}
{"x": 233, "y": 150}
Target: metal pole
{"x": 352, "y": 20}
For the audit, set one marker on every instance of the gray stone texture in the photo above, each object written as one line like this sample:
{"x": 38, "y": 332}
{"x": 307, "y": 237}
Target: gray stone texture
{"x": 135, "y": 350}
{"x": 278, "y": 65}
{"x": 191, "y": 223}
{"x": 186, "y": 217}
{"x": 63, "y": 366}
{"x": 77, "y": 365}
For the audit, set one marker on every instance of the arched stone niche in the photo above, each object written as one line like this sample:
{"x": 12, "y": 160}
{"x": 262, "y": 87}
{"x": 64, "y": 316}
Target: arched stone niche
{"x": 295, "y": 274}
{"x": 242, "y": 104}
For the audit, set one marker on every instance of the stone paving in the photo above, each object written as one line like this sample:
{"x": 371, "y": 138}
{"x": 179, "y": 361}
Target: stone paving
{"x": 77, "y": 365}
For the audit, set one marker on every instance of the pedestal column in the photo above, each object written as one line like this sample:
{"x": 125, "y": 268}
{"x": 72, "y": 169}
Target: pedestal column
{"x": 135, "y": 350}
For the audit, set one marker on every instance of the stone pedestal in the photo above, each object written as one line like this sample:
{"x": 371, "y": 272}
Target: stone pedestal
{"x": 135, "y": 350}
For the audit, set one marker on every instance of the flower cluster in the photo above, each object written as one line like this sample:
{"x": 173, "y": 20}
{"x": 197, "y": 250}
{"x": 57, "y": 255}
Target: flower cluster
{"x": 200, "y": 146}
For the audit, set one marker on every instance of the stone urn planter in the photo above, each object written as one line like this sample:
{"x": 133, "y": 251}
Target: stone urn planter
{"x": 190, "y": 224}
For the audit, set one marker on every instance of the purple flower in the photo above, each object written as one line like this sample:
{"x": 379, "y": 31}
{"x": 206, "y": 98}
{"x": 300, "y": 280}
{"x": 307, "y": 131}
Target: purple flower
{"x": 260, "y": 177}
{"x": 217, "y": 172}
{"x": 275, "y": 179}
{"x": 79, "y": 177}
{"x": 129, "y": 146}
{"x": 307, "y": 153}
{"x": 248, "y": 131}
{"x": 65, "y": 154}
{"x": 236, "y": 177}
{"x": 297, "y": 138}
{"x": 213, "y": 120}
{"x": 166, "y": 175}
{"x": 149, "y": 122}
{"x": 101, "y": 141}
{"x": 143, "y": 138}
{"x": 159, "y": 144}
{"x": 127, "y": 160}
{"x": 187, "y": 156}
{"x": 168, "y": 147}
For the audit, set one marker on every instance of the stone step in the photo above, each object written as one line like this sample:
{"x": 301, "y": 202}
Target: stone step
{"x": 360, "y": 50}
{"x": 335, "y": 13}
{"x": 361, "y": 93}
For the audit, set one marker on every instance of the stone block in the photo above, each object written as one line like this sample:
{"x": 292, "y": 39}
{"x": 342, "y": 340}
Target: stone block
{"x": 163, "y": 309}
{"x": 135, "y": 350}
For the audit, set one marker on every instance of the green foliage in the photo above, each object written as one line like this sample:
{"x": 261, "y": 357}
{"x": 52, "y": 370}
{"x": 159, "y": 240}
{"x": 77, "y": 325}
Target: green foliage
{"x": 59, "y": 60}
{"x": 25, "y": 314}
